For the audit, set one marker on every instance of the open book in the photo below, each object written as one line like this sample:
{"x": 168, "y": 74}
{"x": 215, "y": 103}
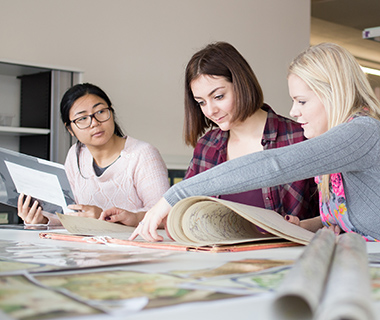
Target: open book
{"x": 330, "y": 281}
{"x": 201, "y": 223}
{"x": 205, "y": 220}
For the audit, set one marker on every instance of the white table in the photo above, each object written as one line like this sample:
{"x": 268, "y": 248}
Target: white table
{"x": 250, "y": 307}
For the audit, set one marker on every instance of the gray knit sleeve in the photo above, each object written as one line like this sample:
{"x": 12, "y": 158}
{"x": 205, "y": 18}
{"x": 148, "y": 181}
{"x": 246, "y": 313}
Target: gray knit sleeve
{"x": 352, "y": 146}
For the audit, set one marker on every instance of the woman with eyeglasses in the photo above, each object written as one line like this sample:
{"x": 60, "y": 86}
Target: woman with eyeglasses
{"x": 105, "y": 168}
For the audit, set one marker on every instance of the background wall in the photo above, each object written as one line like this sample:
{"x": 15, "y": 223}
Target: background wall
{"x": 137, "y": 50}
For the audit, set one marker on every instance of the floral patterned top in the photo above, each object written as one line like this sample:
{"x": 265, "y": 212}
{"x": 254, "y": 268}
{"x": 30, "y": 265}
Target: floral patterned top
{"x": 334, "y": 210}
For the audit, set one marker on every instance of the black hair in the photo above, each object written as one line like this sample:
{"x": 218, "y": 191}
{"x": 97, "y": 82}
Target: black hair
{"x": 78, "y": 91}
{"x": 72, "y": 95}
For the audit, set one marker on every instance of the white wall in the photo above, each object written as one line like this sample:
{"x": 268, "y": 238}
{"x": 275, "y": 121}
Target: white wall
{"x": 136, "y": 50}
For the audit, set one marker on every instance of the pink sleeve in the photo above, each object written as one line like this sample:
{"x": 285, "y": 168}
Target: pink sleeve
{"x": 150, "y": 177}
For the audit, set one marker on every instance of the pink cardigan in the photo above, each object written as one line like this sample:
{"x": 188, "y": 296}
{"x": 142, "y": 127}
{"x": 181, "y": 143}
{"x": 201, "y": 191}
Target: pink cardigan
{"x": 134, "y": 182}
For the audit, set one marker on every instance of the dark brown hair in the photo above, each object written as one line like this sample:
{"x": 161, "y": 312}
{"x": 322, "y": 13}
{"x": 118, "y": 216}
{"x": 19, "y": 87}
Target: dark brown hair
{"x": 220, "y": 59}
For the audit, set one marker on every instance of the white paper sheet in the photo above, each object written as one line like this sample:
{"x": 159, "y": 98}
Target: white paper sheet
{"x": 38, "y": 184}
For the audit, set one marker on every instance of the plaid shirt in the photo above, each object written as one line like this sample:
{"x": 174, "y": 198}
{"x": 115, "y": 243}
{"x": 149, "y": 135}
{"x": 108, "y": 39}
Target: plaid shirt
{"x": 299, "y": 198}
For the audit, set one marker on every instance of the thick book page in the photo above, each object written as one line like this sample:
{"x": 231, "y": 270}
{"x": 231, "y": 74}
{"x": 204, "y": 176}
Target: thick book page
{"x": 90, "y": 230}
{"x": 95, "y": 227}
{"x": 209, "y": 221}
{"x": 330, "y": 281}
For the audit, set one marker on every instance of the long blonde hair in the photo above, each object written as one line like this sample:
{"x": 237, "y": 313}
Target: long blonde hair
{"x": 337, "y": 79}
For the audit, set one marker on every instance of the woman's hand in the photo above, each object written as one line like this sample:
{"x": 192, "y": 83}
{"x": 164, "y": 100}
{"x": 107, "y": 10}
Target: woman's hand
{"x": 30, "y": 214}
{"x": 153, "y": 219}
{"x": 312, "y": 224}
{"x": 128, "y": 218}
{"x": 335, "y": 228}
{"x": 292, "y": 219}
{"x": 85, "y": 211}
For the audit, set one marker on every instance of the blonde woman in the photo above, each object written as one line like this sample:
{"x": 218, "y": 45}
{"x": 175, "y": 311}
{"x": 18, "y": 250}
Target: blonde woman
{"x": 340, "y": 114}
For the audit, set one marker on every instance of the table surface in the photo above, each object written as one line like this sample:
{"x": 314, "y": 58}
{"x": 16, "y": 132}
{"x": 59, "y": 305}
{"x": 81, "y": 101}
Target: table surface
{"x": 248, "y": 307}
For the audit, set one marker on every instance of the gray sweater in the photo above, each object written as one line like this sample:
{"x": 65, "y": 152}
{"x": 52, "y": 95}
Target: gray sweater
{"x": 351, "y": 148}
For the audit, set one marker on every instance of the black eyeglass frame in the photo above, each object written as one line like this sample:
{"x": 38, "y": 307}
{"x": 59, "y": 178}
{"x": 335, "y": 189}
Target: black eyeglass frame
{"x": 92, "y": 116}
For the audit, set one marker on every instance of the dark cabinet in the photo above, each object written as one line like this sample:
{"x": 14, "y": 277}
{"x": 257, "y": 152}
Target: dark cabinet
{"x": 29, "y": 108}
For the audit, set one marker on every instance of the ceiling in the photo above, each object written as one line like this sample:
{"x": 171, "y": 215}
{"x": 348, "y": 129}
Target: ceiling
{"x": 358, "y": 14}
{"x": 342, "y": 22}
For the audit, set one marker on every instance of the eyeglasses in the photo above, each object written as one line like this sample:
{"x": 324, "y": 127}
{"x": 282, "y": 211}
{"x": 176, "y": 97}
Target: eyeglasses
{"x": 101, "y": 116}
